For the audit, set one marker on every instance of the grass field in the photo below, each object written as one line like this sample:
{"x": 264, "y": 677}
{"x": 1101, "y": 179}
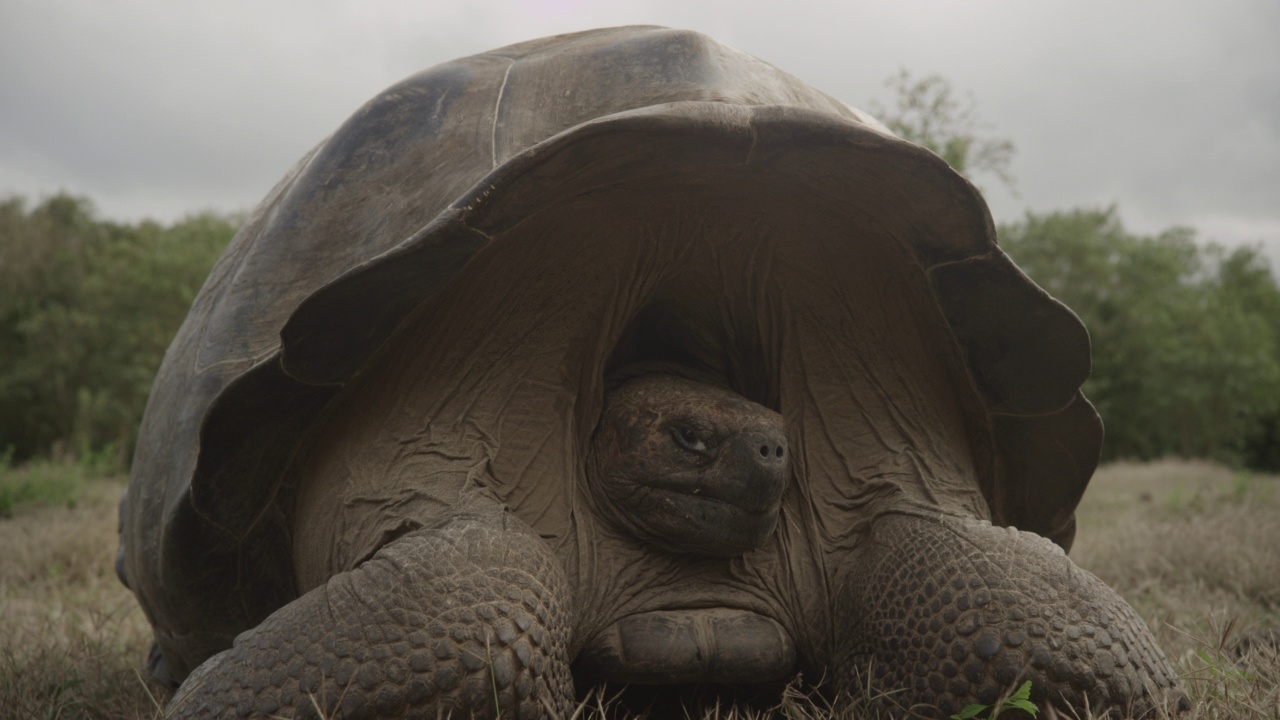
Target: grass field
{"x": 1194, "y": 547}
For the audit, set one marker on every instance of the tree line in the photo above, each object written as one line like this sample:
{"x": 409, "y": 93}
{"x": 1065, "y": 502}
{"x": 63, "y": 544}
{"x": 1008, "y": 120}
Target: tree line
{"x": 1186, "y": 335}
{"x": 87, "y": 308}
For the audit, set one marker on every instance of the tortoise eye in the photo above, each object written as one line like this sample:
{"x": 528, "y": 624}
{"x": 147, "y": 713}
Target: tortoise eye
{"x": 687, "y": 438}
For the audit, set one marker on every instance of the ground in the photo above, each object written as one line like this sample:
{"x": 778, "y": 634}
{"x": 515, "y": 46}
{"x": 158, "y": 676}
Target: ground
{"x": 1192, "y": 546}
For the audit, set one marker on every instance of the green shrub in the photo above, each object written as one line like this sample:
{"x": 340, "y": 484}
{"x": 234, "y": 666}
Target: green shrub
{"x": 86, "y": 313}
{"x": 1186, "y": 336}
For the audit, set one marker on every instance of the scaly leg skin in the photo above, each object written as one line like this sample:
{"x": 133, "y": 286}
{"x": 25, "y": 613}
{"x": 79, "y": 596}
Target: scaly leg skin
{"x": 440, "y": 622}
{"x": 941, "y": 612}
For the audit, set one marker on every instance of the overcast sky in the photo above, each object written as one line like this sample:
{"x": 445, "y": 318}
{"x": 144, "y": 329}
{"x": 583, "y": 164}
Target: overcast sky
{"x": 1168, "y": 109}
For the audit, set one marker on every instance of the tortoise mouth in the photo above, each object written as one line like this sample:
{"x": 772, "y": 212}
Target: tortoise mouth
{"x": 752, "y": 505}
{"x": 686, "y": 521}
{"x": 689, "y": 646}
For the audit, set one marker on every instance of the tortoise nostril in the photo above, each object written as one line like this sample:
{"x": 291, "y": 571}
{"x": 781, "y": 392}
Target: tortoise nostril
{"x": 770, "y": 452}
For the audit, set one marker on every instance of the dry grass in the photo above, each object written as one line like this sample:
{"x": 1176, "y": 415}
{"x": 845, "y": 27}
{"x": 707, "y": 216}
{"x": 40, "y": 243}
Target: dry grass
{"x": 1195, "y": 547}
{"x": 72, "y": 639}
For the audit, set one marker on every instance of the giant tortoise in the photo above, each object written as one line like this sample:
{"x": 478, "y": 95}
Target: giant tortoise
{"x": 622, "y": 357}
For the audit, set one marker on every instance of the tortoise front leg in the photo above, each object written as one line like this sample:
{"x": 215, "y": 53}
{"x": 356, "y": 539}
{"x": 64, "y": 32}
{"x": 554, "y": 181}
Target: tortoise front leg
{"x": 939, "y": 612}
{"x": 442, "y": 621}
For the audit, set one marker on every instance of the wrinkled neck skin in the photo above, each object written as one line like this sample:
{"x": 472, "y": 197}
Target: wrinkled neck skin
{"x": 614, "y": 572}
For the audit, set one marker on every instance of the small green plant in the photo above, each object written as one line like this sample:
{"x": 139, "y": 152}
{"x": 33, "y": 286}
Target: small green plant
{"x": 1240, "y": 485}
{"x": 1222, "y": 678}
{"x": 1019, "y": 700}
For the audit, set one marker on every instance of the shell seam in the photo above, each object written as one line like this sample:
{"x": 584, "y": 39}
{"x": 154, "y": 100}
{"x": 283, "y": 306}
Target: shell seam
{"x": 493, "y": 138}
{"x": 987, "y": 255}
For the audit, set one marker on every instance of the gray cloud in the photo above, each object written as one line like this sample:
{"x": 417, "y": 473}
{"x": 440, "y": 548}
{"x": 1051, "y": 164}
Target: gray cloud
{"x": 1170, "y": 110}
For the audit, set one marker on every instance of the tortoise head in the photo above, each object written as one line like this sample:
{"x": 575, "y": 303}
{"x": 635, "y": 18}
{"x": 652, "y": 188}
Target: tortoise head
{"x": 688, "y": 467}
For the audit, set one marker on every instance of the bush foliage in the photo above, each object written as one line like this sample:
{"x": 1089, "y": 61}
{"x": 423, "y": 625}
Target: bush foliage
{"x": 87, "y": 308}
{"x": 1186, "y": 336}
